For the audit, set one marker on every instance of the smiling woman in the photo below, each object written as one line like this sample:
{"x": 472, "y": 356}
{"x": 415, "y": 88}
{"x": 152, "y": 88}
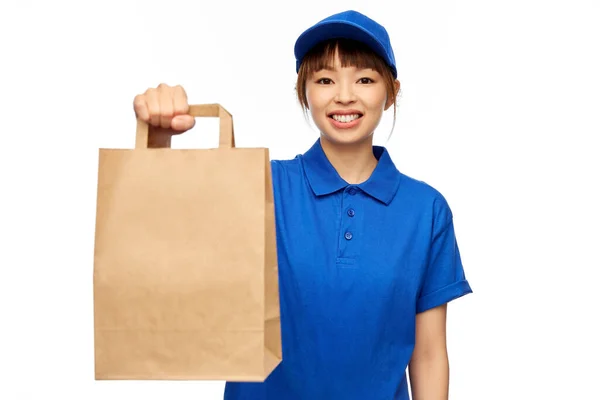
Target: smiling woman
{"x": 367, "y": 256}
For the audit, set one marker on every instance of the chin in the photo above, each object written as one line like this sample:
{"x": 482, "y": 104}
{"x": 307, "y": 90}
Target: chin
{"x": 345, "y": 138}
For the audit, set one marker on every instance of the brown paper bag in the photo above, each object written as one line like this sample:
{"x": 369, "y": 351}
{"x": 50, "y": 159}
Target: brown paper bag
{"x": 185, "y": 263}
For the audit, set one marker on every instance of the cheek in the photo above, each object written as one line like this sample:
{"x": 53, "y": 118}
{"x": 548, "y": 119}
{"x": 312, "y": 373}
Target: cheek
{"x": 315, "y": 98}
{"x": 377, "y": 100}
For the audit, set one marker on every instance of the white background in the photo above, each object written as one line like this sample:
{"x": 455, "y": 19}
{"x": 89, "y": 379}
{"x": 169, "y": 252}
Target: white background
{"x": 499, "y": 111}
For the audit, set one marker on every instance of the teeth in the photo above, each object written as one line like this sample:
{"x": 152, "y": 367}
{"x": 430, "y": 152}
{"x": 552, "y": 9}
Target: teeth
{"x": 345, "y": 118}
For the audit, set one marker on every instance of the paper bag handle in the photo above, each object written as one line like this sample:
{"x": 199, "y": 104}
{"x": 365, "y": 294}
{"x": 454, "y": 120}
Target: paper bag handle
{"x": 226, "y": 136}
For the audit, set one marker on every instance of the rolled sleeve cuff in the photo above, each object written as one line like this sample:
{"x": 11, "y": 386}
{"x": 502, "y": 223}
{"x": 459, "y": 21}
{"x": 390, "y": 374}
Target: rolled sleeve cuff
{"x": 443, "y": 295}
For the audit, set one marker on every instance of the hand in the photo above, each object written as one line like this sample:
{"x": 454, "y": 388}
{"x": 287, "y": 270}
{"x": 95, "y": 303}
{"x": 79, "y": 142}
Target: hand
{"x": 165, "y": 109}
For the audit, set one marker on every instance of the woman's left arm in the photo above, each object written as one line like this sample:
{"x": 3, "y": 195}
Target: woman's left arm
{"x": 429, "y": 370}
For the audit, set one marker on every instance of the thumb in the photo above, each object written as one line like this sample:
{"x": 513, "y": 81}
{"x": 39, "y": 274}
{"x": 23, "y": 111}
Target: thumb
{"x": 183, "y": 123}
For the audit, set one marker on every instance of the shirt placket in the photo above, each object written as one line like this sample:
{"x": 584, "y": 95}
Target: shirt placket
{"x": 348, "y": 235}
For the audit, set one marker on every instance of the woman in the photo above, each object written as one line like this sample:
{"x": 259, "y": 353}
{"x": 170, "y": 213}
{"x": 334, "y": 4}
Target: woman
{"x": 367, "y": 256}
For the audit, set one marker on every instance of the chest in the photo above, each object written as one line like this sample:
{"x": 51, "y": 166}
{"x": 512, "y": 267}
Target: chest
{"x": 348, "y": 247}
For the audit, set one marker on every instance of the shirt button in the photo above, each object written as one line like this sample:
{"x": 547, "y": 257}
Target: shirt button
{"x": 348, "y": 235}
{"x": 352, "y": 191}
{"x": 351, "y": 212}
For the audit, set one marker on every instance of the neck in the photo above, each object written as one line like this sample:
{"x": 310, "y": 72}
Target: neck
{"x": 354, "y": 163}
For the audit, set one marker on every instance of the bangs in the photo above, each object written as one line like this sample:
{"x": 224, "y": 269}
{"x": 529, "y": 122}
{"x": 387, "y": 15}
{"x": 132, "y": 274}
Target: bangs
{"x": 351, "y": 54}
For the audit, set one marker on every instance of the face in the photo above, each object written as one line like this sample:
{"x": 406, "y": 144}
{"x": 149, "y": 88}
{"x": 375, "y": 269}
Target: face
{"x": 346, "y": 103}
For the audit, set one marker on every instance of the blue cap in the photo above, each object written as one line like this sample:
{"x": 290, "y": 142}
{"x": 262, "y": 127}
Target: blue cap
{"x": 348, "y": 25}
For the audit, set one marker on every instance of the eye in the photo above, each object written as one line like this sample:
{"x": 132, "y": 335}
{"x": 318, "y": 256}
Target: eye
{"x": 366, "y": 80}
{"x": 324, "y": 81}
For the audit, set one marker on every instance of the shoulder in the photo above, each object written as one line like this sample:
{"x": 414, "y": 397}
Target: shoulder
{"x": 425, "y": 195}
{"x": 286, "y": 163}
{"x": 286, "y": 167}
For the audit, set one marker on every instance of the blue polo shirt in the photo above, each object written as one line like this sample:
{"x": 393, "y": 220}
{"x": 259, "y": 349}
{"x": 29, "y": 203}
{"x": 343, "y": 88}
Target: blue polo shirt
{"x": 356, "y": 265}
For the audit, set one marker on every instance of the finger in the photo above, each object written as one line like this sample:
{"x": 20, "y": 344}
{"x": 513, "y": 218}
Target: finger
{"x": 140, "y": 108}
{"x": 182, "y": 123}
{"x": 180, "y": 101}
{"x": 153, "y": 106}
{"x": 165, "y": 99}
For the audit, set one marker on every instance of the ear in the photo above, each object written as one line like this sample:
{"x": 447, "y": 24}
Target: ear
{"x": 390, "y": 101}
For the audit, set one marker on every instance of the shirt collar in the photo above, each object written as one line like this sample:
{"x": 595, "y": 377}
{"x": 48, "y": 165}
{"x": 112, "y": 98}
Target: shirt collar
{"x": 324, "y": 179}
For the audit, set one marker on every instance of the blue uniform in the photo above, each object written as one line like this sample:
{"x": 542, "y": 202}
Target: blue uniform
{"x": 356, "y": 265}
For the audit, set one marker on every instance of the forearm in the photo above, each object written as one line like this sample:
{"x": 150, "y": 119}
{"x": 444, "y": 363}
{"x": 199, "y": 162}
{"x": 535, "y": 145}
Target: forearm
{"x": 429, "y": 378}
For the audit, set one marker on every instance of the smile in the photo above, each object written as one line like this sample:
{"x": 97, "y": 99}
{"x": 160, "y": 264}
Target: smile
{"x": 345, "y": 118}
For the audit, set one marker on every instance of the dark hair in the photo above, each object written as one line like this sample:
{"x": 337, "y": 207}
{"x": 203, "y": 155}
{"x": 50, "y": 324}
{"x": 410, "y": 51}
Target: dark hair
{"x": 351, "y": 53}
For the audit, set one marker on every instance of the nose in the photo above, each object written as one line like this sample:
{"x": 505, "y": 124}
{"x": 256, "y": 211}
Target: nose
{"x": 345, "y": 93}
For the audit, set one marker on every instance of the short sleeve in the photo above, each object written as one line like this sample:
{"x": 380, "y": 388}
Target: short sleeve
{"x": 444, "y": 278}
